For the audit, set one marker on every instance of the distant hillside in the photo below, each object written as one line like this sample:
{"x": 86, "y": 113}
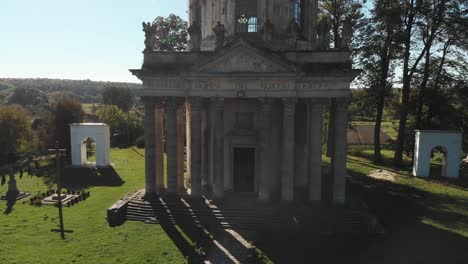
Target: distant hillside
{"x": 85, "y": 90}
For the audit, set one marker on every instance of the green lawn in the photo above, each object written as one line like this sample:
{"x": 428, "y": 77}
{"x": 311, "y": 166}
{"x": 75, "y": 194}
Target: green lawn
{"x": 425, "y": 222}
{"x": 26, "y": 237}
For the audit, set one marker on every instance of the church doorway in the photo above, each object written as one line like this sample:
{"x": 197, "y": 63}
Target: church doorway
{"x": 244, "y": 169}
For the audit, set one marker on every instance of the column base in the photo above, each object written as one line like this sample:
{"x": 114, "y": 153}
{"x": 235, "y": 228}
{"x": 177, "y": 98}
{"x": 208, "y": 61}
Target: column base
{"x": 150, "y": 196}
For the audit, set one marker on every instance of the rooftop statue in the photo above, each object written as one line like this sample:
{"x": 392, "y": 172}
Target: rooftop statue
{"x": 347, "y": 33}
{"x": 267, "y": 30}
{"x": 150, "y": 32}
{"x": 195, "y": 36}
{"x": 294, "y": 33}
{"x": 323, "y": 30}
{"x": 219, "y": 31}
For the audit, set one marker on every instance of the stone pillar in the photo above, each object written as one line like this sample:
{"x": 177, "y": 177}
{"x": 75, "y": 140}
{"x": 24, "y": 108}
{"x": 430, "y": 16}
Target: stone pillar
{"x": 287, "y": 171}
{"x": 171, "y": 144}
{"x": 180, "y": 147}
{"x": 217, "y": 105}
{"x": 196, "y": 180}
{"x": 339, "y": 151}
{"x": 315, "y": 149}
{"x": 150, "y": 146}
{"x": 265, "y": 124}
{"x": 205, "y": 124}
{"x": 331, "y": 128}
{"x": 159, "y": 146}
{"x": 188, "y": 135}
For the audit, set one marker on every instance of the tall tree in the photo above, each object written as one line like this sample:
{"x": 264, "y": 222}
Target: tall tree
{"x": 377, "y": 49}
{"x": 121, "y": 97}
{"x": 170, "y": 33}
{"x": 413, "y": 14}
{"x": 16, "y": 135}
{"x": 338, "y": 11}
{"x": 57, "y": 123}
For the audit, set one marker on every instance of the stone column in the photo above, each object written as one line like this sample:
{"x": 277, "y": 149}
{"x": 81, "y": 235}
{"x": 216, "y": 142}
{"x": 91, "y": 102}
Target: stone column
{"x": 188, "y": 135}
{"x": 315, "y": 149}
{"x": 265, "y": 124}
{"x": 150, "y": 147}
{"x": 339, "y": 151}
{"x": 196, "y": 180}
{"x": 171, "y": 144}
{"x": 217, "y": 105}
{"x": 180, "y": 146}
{"x": 159, "y": 146}
{"x": 287, "y": 171}
{"x": 331, "y": 128}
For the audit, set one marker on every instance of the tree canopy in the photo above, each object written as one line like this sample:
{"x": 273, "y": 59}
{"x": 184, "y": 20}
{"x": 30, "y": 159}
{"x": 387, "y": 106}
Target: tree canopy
{"x": 16, "y": 136}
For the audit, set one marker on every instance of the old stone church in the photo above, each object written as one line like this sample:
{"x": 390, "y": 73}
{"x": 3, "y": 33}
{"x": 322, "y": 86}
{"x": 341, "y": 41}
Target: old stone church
{"x": 246, "y": 101}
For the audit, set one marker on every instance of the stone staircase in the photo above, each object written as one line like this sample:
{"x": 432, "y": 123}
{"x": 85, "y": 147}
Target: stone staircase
{"x": 247, "y": 216}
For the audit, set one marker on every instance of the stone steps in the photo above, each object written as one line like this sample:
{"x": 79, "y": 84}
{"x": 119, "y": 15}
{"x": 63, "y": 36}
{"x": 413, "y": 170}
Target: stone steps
{"x": 243, "y": 217}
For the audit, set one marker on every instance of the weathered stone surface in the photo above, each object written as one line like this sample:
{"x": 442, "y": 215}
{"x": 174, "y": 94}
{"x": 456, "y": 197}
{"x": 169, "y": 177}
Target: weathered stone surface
{"x": 117, "y": 213}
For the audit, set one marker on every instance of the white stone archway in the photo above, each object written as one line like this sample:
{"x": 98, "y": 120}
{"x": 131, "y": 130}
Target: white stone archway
{"x": 100, "y": 133}
{"x": 428, "y": 140}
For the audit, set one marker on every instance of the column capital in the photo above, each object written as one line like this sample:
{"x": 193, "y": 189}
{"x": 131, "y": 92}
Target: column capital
{"x": 217, "y": 101}
{"x": 265, "y": 100}
{"x": 342, "y": 103}
{"x": 195, "y": 103}
{"x": 266, "y": 104}
{"x": 289, "y": 101}
{"x": 149, "y": 100}
{"x": 318, "y": 102}
{"x": 174, "y": 102}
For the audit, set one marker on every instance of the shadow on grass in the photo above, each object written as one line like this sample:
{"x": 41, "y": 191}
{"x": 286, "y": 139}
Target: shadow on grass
{"x": 75, "y": 178}
{"x": 401, "y": 209}
{"x": 9, "y": 207}
{"x": 182, "y": 227}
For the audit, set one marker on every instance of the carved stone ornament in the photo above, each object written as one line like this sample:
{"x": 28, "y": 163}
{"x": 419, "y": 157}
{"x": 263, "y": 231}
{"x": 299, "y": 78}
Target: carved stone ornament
{"x": 267, "y": 30}
{"x": 347, "y": 33}
{"x": 244, "y": 60}
{"x": 220, "y": 32}
{"x": 150, "y": 32}
{"x": 323, "y": 30}
{"x": 195, "y": 36}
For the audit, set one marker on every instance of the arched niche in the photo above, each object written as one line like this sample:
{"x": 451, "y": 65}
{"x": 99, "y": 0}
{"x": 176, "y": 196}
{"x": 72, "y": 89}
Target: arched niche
{"x": 98, "y": 132}
{"x": 428, "y": 140}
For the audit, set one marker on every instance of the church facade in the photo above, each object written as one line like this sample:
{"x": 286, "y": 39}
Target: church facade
{"x": 243, "y": 106}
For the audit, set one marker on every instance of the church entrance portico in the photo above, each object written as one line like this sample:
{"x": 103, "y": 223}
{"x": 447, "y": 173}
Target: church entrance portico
{"x": 254, "y": 104}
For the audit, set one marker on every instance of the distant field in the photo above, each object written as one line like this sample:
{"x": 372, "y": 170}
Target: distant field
{"x": 88, "y": 108}
{"x": 389, "y": 127}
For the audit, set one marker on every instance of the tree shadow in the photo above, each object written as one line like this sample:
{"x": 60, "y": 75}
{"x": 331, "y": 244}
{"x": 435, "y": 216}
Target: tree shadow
{"x": 181, "y": 225}
{"x": 82, "y": 177}
{"x": 401, "y": 209}
{"x": 9, "y": 208}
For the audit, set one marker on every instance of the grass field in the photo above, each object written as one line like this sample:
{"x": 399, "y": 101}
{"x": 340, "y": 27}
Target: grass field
{"x": 389, "y": 127}
{"x": 425, "y": 222}
{"x": 26, "y": 237}
{"x": 88, "y": 108}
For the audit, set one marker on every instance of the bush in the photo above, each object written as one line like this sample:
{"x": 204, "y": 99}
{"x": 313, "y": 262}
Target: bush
{"x": 140, "y": 142}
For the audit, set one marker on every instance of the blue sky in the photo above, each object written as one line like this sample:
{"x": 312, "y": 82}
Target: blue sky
{"x": 77, "y": 39}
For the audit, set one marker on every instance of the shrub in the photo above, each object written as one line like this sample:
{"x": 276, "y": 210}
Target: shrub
{"x": 140, "y": 142}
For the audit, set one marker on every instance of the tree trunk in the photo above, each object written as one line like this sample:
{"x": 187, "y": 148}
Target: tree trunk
{"x": 422, "y": 89}
{"x": 384, "y": 67}
{"x": 405, "y": 92}
{"x": 408, "y": 73}
{"x": 430, "y": 111}
{"x": 377, "y": 128}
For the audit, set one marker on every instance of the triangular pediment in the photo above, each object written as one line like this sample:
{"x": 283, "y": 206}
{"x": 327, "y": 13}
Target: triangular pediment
{"x": 243, "y": 58}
